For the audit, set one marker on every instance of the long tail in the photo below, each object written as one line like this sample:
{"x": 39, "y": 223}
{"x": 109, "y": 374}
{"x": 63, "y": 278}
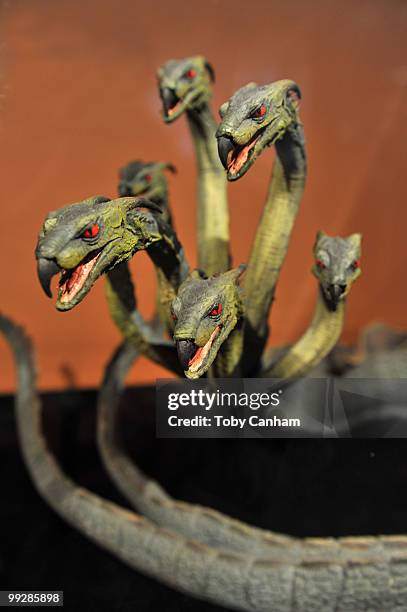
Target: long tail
{"x": 147, "y": 496}
{"x": 300, "y": 575}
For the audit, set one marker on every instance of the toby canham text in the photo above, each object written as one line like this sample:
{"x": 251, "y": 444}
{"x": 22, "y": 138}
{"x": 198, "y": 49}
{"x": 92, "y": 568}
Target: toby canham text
{"x": 231, "y": 421}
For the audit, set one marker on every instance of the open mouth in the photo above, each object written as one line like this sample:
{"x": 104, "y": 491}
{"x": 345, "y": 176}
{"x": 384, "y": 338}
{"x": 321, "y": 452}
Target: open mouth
{"x": 193, "y": 358}
{"x": 238, "y": 157}
{"x": 72, "y": 281}
{"x": 198, "y": 359}
{"x": 235, "y": 158}
{"x": 171, "y": 103}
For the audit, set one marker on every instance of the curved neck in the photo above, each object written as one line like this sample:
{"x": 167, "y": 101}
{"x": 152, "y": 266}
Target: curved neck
{"x": 169, "y": 261}
{"x": 212, "y": 212}
{"x": 273, "y": 235}
{"x": 318, "y": 340}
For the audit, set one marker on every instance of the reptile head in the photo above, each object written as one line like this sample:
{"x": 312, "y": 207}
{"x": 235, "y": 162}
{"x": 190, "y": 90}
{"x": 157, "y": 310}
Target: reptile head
{"x": 254, "y": 118}
{"x": 337, "y": 265}
{"x": 184, "y": 84}
{"x": 145, "y": 178}
{"x": 83, "y": 240}
{"x": 205, "y": 311}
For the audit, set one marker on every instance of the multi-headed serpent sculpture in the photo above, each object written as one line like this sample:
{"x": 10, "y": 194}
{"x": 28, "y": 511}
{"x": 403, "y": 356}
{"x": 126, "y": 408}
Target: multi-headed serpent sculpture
{"x": 218, "y": 319}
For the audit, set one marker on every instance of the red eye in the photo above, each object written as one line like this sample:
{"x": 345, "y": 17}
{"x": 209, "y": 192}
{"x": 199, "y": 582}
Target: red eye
{"x": 148, "y": 178}
{"x": 320, "y": 264}
{"x": 91, "y": 232}
{"x": 216, "y": 310}
{"x": 355, "y": 264}
{"x": 173, "y": 316}
{"x": 190, "y": 74}
{"x": 260, "y": 112}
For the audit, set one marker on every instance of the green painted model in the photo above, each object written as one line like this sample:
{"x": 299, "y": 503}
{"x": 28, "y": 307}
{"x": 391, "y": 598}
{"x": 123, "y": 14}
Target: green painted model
{"x": 84, "y": 240}
{"x": 147, "y": 179}
{"x": 337, "y": 266}
{"x": 185, "y": 87}
{"x": 269, "y": 572}
{"x": 218, "y": 320}
{"x": 207, "y": 313}
{"x": 255, "y": 118}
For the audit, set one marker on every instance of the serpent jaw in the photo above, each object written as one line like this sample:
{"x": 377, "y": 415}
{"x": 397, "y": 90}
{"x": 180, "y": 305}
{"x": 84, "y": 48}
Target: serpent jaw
{"x": 333, "y": 294}
{"x": 237, "y": 158}
{"x": 173, "y": 106}
{"x": 206, "y": 311}
{"x": 254, "y": 118}
{"x": 75, "y": 283}
{"x": 200, "y": 358}
{"x": 184, "y": 85}
{"x": 85, "y": 239}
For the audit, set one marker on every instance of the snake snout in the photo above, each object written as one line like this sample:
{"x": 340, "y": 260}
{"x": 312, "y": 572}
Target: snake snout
{"x": 124, "y": 190}
{"x": 46, "y": 269}
{"x": 186, "y": 349}
{"x": 168, "y": 98}
{"x": 225, "y": 146}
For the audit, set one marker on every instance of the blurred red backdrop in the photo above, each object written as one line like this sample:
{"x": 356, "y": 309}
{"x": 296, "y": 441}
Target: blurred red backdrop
{"x": 79, "y": 100}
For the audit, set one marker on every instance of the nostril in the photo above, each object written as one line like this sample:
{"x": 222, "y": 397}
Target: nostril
{"x": 342, "y": 288}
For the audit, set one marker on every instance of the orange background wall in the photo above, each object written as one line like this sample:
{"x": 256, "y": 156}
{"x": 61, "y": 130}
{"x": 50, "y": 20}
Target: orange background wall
{"x": 79, "y": 100}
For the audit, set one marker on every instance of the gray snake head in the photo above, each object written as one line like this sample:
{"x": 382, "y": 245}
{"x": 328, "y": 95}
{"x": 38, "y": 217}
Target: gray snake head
{"x": 184, "y": 84}
{"x": 146, "y": 179}
{"x": 337, "y": 266}
{"x": 82, "y": 241}
{"x": 254, "y": 118}
{"x": 205, "y": 312}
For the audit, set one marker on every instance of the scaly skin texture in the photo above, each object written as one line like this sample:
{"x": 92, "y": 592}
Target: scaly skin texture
{"x": 336, "y": 268}
{"x": 314, "y": 574}
{"x": 207, "y": 312}
{"x": 147, "y": 179}
{"x": 84, "y": 240}
{"x": 185, "y": 86}
{"x": 205, "y": 524}
{"x": 252, "y": 569}
{"x": 255, "y": 118}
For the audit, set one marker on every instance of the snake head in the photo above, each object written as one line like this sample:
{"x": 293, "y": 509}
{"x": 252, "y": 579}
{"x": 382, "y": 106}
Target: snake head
{"x": 184, "y": 85}
{"x": 81, "y": 241}
{"x": 145, "y": 179}
{"x": 337, "y": 266}
{"x": 254, "y": 118}
{"x": 205, "y": 311}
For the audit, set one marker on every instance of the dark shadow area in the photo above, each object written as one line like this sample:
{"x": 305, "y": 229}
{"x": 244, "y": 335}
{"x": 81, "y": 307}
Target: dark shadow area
{"x": 301, "y": 487}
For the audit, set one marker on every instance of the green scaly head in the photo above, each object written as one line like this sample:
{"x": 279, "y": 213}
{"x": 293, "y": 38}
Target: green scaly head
{"x": 145, "y": 179}
{"x": 184, "y": 85}
{"x": 205, "y": 312}
{"x": 254, "y": 118}
{"x": 81, "y": 241}
{"x": 337, "y": 266}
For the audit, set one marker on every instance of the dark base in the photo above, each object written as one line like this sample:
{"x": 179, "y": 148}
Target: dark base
{"x": 301, "y": 487}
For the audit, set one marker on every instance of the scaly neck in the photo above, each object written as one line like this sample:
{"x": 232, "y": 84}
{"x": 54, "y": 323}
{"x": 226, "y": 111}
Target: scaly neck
{"x": 319, "y": 339}
{"x": 213, "y": 214}
{"x": 171, "y": 267}
{"x": 272, "y": 238}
